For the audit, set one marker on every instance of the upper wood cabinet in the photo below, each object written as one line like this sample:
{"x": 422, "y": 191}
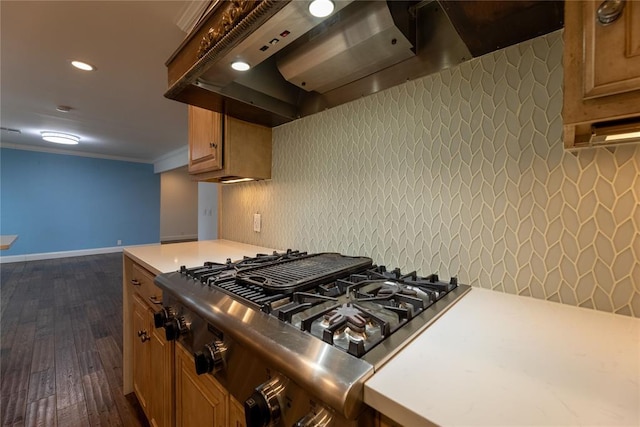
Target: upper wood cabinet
{"x": 205, "y": 140}
{"x": 223, "y": 148}
{"x": 601, "y": 70}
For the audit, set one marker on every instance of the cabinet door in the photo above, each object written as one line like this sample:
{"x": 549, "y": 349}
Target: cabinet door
{"x": 200, "y": 400}
{"x": 205, "y": 140}
{"x": 161, "y": 379}
{"x": 236, "y": 413}
{"x": 612, "y": 52}
{"x": 141, "y": 353}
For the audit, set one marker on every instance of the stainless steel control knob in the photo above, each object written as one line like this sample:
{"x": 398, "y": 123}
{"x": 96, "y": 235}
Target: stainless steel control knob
{"x": 160, "y": 318}
{"x": 320, "y": 417}
{"x": 175, "y": 328}
{"x": 211, "y": 359}
{"x": 263, "y": 408}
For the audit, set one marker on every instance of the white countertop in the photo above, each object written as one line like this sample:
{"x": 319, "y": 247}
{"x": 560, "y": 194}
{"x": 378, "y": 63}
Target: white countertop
{"x": 496, "y": 359}
{"x": 7, "y": 240}
{"x": 169, "y": 257}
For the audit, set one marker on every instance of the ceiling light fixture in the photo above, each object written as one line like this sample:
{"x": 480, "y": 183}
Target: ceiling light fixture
{"x": 60, "y": 138}
{"x": 240, "y": 66}
{"x": 63, "y": 108}
{"x": 83, "y": 66}
{"x": 321, "y": 8}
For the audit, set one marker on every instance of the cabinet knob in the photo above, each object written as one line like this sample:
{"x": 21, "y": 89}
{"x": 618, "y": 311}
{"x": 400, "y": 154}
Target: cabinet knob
{"x": 213, "y": 145}
{"x": 609, "y": 11}
{"x": 144, "y": 336}
{"x": 135, "y": 282}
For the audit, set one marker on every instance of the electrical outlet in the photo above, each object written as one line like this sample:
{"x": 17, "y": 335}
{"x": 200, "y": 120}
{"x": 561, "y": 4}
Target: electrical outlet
{"x": 119, "y": 242}
{"x": 256, "y": 222}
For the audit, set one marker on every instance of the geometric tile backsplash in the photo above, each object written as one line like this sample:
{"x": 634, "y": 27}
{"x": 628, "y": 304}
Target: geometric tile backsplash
{"x": 463, "y": 173}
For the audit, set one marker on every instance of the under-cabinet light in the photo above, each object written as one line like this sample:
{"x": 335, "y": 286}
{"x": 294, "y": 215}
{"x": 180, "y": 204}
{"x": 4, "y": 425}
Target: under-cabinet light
{"x": 619, "y": 132}
{"x": 83, "y": 66}
{"x": 232, "y": 181}
{"x": 621, "y": 136}
{"x": 60, "y": 138}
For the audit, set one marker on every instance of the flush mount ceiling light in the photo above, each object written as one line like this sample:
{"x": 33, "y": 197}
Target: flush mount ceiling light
{"x": 83, "y": 66}
{"x": 321, "y": 8}
{"x": 63, "y": 108}
{"x": 240, "y": 66}
{"x": 60, "y": 138}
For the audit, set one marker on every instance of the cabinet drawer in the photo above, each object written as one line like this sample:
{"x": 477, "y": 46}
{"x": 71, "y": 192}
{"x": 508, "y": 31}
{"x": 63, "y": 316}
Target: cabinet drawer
{"x": 142, "y": 282}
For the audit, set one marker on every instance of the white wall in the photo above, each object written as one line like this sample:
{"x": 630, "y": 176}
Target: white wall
{"x": 207, "y": 211}
{"x": 178, "y": 206}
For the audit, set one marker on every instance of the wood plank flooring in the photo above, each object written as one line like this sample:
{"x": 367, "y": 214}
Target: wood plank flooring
{"x": 61, "y": 344}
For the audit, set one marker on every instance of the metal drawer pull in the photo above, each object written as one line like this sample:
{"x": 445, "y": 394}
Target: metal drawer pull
{"x": 609, "y": 11}
{"x": 135, "y": 282}
{"x": 144, "y": 336}
{"x": 154, "y": 299}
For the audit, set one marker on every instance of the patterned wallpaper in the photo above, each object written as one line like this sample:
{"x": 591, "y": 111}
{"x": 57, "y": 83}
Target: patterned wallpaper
{"x": 461, "y": 173}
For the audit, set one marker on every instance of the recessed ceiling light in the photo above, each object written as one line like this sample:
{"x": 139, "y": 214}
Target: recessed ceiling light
{"x": 240, "y": 66}
{"x": 63, "y": 108}
{"x": 60, "y": 138}
{"x": 83, "y": 66}
{"x": 321, "y": 8}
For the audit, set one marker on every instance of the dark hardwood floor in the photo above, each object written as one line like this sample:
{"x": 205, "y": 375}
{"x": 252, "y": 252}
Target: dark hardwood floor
{"x": 61, "y": 344}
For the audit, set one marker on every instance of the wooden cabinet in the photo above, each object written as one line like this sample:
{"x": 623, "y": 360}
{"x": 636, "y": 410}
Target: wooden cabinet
{"x": 222, "y": 147}
{"x": 205, "y": 140}
{"x": 148, "y": 356}
{"x": 384, "y": 421}
{"x": 200, "y": 399}
{"x": 236, "y": 413}
{"x": 141, "y": 353}
{"x": 601, "y": 71}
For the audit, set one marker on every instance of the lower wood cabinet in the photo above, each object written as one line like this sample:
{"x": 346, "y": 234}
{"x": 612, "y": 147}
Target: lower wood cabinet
{"x": 236, "y": 413}
{"x": 152, "y": 356}
{"x": 162, "y": 373}
{"x": 200, "y": 400}
{"x": 141, "y": 354}
{"x": 161, "y": 394}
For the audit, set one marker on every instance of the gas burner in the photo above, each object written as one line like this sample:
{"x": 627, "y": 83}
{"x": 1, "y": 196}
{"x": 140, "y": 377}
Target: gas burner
{"x": 348, "y": 313}
{"x": 354, "y": 328}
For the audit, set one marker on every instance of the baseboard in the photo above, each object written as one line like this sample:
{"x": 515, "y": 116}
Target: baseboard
{"x": 62, "y": 254}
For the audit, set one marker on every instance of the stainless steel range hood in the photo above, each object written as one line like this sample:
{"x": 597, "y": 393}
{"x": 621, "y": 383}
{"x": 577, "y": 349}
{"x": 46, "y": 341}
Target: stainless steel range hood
{"x": 301, "y": 65}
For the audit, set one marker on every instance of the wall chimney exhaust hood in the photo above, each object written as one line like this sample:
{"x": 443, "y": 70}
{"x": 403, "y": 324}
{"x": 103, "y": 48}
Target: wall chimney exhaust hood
{"x": 300, "y": 64}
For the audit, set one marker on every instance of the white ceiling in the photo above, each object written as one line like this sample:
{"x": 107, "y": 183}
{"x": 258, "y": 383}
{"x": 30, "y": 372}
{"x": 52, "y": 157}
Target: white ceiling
{"x": 118, "y": 110}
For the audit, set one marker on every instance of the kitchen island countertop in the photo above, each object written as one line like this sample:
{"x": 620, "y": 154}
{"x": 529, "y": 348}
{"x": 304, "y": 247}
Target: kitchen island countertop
{"x": 169, "y": 257}
{"x": 7, "y": 240}
{"x": 500, "y": 359}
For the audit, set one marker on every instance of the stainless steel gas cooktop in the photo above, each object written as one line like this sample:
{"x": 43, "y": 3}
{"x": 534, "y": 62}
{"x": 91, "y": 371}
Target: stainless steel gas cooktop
{"x": 295, "y": 335}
